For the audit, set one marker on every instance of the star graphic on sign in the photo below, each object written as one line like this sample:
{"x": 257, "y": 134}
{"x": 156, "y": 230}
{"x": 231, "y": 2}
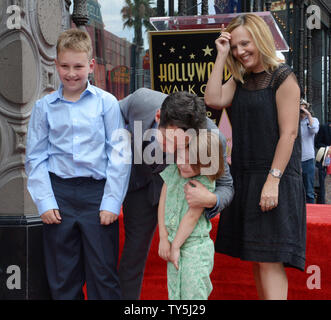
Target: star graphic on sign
{"x": 192, "y": 56}
{"x": 172, "y": 49}
{"x": 207, "y": 51}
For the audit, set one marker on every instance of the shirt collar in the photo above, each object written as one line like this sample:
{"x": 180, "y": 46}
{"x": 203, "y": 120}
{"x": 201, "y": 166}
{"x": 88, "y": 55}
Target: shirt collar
{"x": 155, "y": 125}
{"x": 58, "y": 94}
{"x": 90, "y": 89}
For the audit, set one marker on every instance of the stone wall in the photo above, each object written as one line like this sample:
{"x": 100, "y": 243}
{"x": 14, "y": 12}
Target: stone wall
{"x": 28, "y": 35}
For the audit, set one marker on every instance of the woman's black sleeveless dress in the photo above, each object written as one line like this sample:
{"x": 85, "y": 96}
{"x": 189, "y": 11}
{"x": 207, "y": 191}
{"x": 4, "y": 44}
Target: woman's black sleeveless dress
{"x": 244, "y": 231}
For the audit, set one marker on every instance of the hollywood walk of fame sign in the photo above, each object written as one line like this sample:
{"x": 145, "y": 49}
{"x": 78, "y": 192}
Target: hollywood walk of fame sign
{"x": 183, "y": 61}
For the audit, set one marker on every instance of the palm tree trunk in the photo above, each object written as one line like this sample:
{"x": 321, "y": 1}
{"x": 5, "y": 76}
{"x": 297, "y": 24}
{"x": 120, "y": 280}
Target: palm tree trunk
{"x": 204, "y": 7}
{"x": 171, "y": 8}
{"x": 192, "y": 7}
{"x": 138, "y": 39}
{"x": 182, "y": 7}
{"x": 160, "y": 8}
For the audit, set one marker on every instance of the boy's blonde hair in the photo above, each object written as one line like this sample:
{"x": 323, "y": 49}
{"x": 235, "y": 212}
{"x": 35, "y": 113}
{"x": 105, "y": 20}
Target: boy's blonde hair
{"x": 204, "y": 147}
{"x": 75, "y": 39}
{"x": 263, "y": 40}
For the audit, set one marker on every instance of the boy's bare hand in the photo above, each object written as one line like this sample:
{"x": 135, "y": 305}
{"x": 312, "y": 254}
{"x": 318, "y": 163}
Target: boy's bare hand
{"x": 107, "y": 217}
{"x": 51, "y": 216}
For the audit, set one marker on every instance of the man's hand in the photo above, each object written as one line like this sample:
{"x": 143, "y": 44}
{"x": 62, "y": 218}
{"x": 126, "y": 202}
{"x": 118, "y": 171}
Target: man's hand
{"x": 304, "y": 110}
{"x": 51, "y": 216}
{"x": 307, "y": 113}
{"x": 107, "y": 217}
{"x": 198, "y": 196}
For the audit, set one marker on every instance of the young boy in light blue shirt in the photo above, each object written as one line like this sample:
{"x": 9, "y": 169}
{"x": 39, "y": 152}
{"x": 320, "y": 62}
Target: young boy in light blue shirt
{"x": 78, "y": 171}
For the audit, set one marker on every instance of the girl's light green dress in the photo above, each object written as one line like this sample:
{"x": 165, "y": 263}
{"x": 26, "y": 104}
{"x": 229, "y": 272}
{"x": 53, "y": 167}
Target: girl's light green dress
{"x": 192, "y": 280}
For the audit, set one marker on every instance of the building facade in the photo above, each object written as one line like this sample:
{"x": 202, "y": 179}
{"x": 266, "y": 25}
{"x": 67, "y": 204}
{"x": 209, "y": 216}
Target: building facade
{"x": 112, "y": 55}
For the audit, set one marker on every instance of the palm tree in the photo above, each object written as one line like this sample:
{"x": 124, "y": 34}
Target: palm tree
{"x": 136, "y": 14}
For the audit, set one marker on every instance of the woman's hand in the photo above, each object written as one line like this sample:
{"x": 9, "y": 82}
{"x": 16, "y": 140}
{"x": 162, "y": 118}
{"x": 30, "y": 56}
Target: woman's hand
{"x": 269, "y": 194}
{"x": 223, "y": 42}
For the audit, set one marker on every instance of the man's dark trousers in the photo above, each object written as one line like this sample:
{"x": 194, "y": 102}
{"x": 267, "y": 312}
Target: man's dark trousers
{"x": 140, "y": 220}
{"x": 80, "y": 249}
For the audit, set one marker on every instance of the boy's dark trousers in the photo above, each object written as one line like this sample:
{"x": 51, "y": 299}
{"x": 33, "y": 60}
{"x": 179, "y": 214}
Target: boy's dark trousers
{"x": 80, "y": 249}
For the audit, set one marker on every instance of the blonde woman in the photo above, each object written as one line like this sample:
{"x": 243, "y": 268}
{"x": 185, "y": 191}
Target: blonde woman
{"x": 266, "y": 222}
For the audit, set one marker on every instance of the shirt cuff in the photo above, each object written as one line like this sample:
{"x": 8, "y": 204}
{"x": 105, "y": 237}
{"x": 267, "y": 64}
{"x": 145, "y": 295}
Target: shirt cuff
{"x": 46, "y": 204}
{"x": 212, "y": 212}
{"x": 111, "y": 205}
{"x": 313, "y": 126}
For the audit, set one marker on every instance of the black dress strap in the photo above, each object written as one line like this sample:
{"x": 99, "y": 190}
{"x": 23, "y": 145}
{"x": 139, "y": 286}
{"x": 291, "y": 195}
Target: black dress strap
{"x": 279, "y": 76}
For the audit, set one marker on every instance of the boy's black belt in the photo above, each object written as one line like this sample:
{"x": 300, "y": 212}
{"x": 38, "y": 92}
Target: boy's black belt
{"x": 76, "y": 181}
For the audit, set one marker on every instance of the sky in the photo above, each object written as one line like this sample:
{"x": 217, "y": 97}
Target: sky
{"x": 111, "y": 14}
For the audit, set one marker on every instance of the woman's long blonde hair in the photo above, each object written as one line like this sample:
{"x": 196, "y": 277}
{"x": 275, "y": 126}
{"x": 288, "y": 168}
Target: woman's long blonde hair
{"x": 263, "y": 40}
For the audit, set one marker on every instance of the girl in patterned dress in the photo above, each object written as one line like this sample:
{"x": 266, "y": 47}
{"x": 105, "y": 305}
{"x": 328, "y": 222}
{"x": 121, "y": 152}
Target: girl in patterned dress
{"x": 184, "y": 231}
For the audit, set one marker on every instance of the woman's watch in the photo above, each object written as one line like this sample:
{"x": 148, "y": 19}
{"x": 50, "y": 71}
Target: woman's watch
{"x": 276, "y": 173}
